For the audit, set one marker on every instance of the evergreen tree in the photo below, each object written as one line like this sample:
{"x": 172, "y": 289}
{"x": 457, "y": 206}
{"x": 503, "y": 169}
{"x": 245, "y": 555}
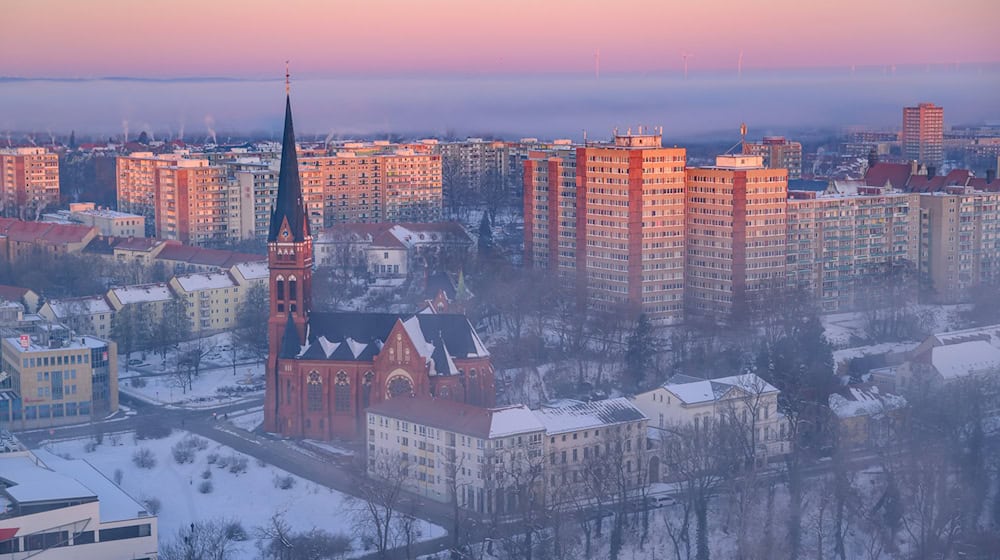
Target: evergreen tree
{"x": 143, "y": 138}
{"x": 72, "y": 140}
{"x": 485, "y": 236}
{"x": 639, "y": 361}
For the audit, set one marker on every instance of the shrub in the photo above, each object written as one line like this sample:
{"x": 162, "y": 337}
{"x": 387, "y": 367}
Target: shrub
{"x": 182, "y": 454}
{"x": 238, "y": 465}
{"x": 118, "y": 476}
{"x": 205, "y": 487}
{"x": 137, "y": 382}
{"x": 90, "y": 446}
{"x": 284, "y": 482}
{"x": 152, "y": 505}
{"x": 212, "y": 458}
{"x": 206, "y": 474}
{"x": 222, "y": 461}
{"x": 144, "y": 458}
{"x": 235, "y": 532}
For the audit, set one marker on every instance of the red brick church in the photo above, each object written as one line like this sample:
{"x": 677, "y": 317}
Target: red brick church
{"x": 324, "y": 369}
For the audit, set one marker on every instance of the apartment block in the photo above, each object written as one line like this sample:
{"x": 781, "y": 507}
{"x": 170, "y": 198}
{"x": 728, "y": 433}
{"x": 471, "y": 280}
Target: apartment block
{"x": 29, "y": 181}
{"x": 57, "y": 381}
{"x": 369, "y": 186}
{"x": 960, "y": 241}
{"x": 550, "y": 210}
{"x": 735, "y": 236}
{"x": 137, "y": 183}
{"x": 923, "y": 134}
{"x": 212, "y": 299}
{"x": 447, "y": 450}
{"x": 85, "y": 315}
{"x": 253, "y": 186}
{"x": 835, "y": 241}
{"x": 778, "y": 153}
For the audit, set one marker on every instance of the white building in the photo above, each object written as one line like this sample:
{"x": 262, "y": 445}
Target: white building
{"x": 85, "y": 315}
{"x": 683, "y": 401}
{"x": 60, "y": 509}
{"x": 945, "y": 357}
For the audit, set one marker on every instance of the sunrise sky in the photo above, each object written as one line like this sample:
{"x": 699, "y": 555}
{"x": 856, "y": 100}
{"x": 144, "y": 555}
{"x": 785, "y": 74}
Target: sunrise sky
{"x": 249, "y": 38}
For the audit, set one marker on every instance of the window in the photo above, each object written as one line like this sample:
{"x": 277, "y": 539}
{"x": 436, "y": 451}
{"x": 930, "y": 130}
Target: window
{"x": 314, "y": 392}
{"x": 342, "y": 393}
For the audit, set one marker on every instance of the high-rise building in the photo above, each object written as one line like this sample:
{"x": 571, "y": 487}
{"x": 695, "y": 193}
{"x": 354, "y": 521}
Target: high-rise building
{"x": 613, "y": 214}
{"x": 923, "y": 134}
{"x": 778, "y": 153}
{"x": 253, "y": 184}
{"x": 192, "y": 202}
{"x": 29, "y": 181}
{"x": 136, "y": 183}
{"x": 735, "y": 235}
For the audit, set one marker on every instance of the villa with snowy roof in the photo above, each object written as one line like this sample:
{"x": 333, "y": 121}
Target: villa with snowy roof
{"x": 948, "y": 356}
{"x": 692, "y": 401}
{"x": 865, "y": 415}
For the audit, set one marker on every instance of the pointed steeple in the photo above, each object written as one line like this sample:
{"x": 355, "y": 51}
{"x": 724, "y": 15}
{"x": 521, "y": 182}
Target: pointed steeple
{"x": 289, "y": 204}
{"x": 290, "y": 346}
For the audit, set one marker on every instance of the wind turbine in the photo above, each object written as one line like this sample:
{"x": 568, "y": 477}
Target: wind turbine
{"x": 685, "y": 56}
{"x": 739, "y": 66}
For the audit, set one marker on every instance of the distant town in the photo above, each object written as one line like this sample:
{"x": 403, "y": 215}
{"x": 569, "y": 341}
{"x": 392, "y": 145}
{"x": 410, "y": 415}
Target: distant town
{"x": 604, "y": 347}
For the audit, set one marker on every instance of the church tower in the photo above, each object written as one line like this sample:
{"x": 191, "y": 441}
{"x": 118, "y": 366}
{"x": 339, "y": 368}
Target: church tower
{"x": 290, "y": 259}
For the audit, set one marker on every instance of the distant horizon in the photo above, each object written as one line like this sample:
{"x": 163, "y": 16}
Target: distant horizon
{"x": 707, "y": 105}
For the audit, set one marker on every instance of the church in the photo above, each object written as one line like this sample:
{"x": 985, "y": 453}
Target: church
{"x": 324, "y": 369}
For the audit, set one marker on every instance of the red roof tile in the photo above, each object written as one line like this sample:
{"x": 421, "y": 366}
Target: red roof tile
{"x": 894, "y": 173}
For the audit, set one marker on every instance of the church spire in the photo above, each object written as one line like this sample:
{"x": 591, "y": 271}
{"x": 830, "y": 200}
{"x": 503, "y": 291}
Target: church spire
{"x": 289, "y": 205}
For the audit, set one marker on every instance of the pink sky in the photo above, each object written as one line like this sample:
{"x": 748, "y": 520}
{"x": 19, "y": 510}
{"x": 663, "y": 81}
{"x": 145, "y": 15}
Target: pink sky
{"x": 70, "y": 38}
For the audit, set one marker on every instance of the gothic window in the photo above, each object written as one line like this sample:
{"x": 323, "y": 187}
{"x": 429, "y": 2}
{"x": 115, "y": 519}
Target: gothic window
{"x": 342, "y": 393}
{"x": 288, "y": 391}
{"x": 291, "y": 288}
{"x": 314, "y": 392}
{"x": 399, "y": 386}
{"x": 280, "y": 285}
{"x": 366, "y": 389}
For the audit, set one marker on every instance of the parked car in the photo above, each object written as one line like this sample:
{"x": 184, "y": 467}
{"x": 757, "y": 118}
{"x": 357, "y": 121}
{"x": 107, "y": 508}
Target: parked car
{"x": 660, "y": 501}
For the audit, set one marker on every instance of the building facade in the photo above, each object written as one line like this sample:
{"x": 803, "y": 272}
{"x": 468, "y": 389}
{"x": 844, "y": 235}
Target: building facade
{"x": 325, "y": 369}
{"x": 29, "y": 181}
{"x": 58, "y": 381}
{"x": 778, "y": 153}
{"x": 923, "y": 134}
{"x": 736, "y": 236}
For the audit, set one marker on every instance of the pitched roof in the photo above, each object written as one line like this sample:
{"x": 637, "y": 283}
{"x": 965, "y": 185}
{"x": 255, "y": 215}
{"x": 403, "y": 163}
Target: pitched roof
{"x": 863, "y": 400}
{"x": 87, "y": 305}
{"x": 348, "y": 336}
{"x": 484, "y": 423}
{"x": 205, "y": 281}
{"x": 143, "y": 293}
{"x": 966, "y": 358}
{"x": 206, "y": 257}
{"x": 289, "y": 203}
{"x": 12, "y": 293}
{"x": 30, "y": 232}
{"x": 895, "y": 173}
{"x": 693, "y": 390}
{"x": 584, "y": 415}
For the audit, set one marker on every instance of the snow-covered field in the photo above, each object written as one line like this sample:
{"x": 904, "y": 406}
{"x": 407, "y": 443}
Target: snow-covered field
{"x": 248, "y": 421}
{"x": 251, "y": 497}
{"x": 155, "y": 379}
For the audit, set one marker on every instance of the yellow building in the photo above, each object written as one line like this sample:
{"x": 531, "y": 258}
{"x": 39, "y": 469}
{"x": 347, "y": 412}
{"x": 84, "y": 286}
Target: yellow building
{"x": 91, "y": 315}
{"x": 212, "y": 299}
{"x": 54, "y": 382}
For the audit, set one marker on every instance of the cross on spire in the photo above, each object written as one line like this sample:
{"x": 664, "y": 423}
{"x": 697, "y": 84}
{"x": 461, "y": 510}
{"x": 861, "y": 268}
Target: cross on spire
{"x": 288, "y": 80}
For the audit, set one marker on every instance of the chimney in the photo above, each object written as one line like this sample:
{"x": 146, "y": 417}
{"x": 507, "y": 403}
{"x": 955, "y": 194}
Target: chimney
{"x": 931, "y": 171}
{"x": 991, "y": 174}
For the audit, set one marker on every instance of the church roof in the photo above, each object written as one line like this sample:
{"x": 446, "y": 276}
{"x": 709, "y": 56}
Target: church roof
{"x": 347, "y": 336}
{"x": 289, "y": 203}
{"x": 290, "y": 340}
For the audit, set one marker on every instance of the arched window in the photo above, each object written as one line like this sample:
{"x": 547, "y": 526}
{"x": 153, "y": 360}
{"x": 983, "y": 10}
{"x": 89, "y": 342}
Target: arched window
{"x": 292, "y": 292}
{"x": 366, "y": 389}
{"x": 342, "y": 393}
{"x": 280, "y": 288}
{"x": 314, "y": 392}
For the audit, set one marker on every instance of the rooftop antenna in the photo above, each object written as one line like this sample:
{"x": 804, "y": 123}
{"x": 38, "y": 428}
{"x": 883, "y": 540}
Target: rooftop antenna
{"x": 739, "y": 66}
{"x": 743, "y": 137}
{"x": 685, "y": 56}
{"x": 585, "y": 137}
{"x": 288, "y": 80}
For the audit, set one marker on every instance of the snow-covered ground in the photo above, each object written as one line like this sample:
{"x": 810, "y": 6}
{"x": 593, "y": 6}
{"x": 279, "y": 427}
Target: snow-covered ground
{"x": 842, "y": 329}
{"x": 248, "y": 421}
{"x": 154, "y": 378}
{"x": 252, "y": 497}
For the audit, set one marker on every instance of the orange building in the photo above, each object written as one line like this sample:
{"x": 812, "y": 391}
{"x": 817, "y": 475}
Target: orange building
{"x": 735, "y": 235}
{"x": 612, "y": 215}
{"x": 923, "y": 134}
{"x": 29, "y": 181}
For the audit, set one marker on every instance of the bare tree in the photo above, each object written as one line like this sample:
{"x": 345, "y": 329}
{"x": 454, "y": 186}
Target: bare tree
{"x": 379, "y": 501}
{"x": 205, "y": 540}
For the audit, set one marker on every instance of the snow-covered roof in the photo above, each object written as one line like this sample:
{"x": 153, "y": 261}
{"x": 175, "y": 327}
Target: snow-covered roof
{"x": 90, "y": 305}
{"x": 32, "y": 481}
{"x": 253, "y": 270}
{"x": 413, "y": 330}
{"x": 205, "y": 281}
{"x": 863, "y": 401}
{"x": 958, "y": 360}
{"x": 512, "y": 420}
{"x": 585, "y": 415}
{"x": 115, "y": 503}
{"x": 990, "y": 333}
{"x": 143, "y": 293}
{"x": 693, "y": 391}
{"x": 71, "y": 343}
